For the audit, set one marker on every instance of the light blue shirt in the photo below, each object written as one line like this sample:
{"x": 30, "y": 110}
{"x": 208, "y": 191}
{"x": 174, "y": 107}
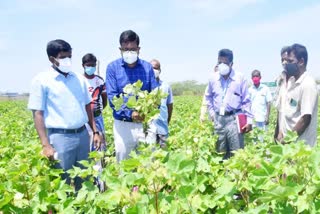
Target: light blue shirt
{"x": 162, "y": 121}
{"x": 260, "y": 97}
{"x": 62, "y": 99}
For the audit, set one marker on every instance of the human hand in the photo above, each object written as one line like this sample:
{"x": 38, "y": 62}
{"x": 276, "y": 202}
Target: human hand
{"x": 97, "y": 140}
{"x": 48, "y": 151}
{"x": 279, "y": 138}
{"x": 136, "y": 117}
{"x": 247, "y": 128}
{"x": 201, "y": 119}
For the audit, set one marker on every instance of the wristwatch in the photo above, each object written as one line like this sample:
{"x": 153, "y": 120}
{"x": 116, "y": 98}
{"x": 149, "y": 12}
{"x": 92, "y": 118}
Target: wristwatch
{"x": 96, "y": 132}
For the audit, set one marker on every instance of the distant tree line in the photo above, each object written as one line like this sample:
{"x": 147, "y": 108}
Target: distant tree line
{"x": 188, "y": 87}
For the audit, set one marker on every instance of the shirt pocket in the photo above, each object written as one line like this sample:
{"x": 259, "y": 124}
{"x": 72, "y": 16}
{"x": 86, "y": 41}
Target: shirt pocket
{"x": 235, "y": 99}
{"x": 291, "y": 106}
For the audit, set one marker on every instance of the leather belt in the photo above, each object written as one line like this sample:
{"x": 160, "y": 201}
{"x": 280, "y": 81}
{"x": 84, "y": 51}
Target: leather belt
{"x": 67, "y": 131}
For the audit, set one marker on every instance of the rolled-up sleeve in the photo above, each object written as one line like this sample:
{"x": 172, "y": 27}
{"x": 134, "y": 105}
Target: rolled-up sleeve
{"x": 37, "y": 95}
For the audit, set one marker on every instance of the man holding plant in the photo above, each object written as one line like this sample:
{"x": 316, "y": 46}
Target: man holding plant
{"x": 128, "y": 127}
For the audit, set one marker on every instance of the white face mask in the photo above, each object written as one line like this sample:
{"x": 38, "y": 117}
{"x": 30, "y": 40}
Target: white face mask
{"x": 223, "y": 69}
{"x": 64, "y": 64}
{"x": 156, "y": 72}
{"x": 130, "y": 57}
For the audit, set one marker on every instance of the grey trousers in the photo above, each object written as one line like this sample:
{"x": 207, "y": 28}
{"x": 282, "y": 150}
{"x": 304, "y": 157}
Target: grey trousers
{"x": 229, "y": 139}
{"x": 71, "y": 148}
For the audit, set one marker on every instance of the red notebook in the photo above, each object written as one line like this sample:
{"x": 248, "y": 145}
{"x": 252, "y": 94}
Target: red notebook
{"x": 241, "y": 122}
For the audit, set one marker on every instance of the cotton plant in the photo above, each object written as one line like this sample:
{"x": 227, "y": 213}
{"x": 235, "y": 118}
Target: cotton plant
{"x": 144, "y": 102}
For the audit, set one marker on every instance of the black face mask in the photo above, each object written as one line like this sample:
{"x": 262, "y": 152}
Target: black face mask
{"x": 291, "y": 69}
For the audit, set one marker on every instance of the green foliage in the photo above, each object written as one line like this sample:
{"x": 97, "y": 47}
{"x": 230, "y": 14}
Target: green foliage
{"x": 187, "y": 177}
{"x": 187, "y": 88}
{"x": 145, "y": 103}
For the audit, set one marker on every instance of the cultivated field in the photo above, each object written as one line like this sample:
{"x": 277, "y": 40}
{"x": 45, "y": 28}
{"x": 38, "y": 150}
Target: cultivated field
{"x": 187, "y": 177}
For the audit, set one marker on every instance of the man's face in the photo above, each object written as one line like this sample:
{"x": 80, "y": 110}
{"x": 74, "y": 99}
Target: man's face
{"x": 291, "y": 58}
{"x": 256, "y": 75}
{"x": 129, "y": 46}
{"x": 90, "y": 64}
{"x": 155, "y": 65}
{"x": 61, "y": 55}
{"x": 293, "y": 66}
{"x": 224, "y": 60}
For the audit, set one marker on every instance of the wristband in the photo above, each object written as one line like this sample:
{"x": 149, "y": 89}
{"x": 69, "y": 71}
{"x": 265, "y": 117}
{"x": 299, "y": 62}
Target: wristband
{"x": 96, "y": 132}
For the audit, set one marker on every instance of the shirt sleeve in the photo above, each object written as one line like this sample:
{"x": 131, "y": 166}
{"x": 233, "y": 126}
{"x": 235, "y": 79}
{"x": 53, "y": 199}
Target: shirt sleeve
{"x": 246, "y": 101}
{"x": 37, "y": 97}
{"x": 87, "y": 94}
{"x": 209, "y": 99}
{"x": 309, "y": 98}
{"x": 170, "y": 96}
{"x": 268, "y": 95}
{"x": 124, "y": 113}
{"x": 203, "y": 109}
{"x": 103, "y": 86}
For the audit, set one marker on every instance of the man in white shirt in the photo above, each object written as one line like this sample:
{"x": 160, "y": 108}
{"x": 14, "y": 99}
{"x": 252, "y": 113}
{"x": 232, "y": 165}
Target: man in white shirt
{"x": 298, "y": 99}
{"x": 261, "y": 98}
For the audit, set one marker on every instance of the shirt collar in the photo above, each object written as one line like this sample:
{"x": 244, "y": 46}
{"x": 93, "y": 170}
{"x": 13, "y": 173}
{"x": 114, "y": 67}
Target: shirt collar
{"x": 301, "y": 78}
{"x": 231, "y": 75}
{"x": 57, "y": 74}
{"x": 298, "y": 81}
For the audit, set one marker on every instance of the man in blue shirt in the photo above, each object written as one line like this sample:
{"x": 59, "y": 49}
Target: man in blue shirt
{"x": 159, "y": 127}
{"x": 227, "y": 97}
{"x": 128, "y": 69}
{"x": 60, "y": 104}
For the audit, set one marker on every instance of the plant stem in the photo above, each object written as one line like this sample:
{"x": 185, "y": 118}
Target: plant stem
{"x": 156, "y": 197}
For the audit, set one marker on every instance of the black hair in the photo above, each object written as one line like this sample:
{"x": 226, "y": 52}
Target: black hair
{"x": 89, "y": 57}
{"x": 54, "y": 47}
{"x": 300, "y": 52}
{"x": 129, "y": 36}
{"x": 256, "y": 71}
{"x": 284, "y": 50}
{"x": 226, "y": 53}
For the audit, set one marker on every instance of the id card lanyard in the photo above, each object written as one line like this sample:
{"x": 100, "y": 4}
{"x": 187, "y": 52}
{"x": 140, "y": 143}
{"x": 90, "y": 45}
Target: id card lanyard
{"x": 223, "y": 106}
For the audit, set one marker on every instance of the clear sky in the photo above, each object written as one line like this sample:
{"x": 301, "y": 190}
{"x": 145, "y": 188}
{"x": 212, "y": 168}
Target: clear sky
{"x": 185, "y": 35}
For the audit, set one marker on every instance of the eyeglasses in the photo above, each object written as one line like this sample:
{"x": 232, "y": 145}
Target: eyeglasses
{"x": 129, "y": 49}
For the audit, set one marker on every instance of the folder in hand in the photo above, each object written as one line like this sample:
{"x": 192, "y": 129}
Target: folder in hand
{"x": 241, "y": 122}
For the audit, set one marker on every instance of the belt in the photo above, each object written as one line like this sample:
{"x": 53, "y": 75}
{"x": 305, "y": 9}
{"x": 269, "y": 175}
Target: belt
{"x": 97, "y": 113}
{"x": 67, "y": 131}
{"x": 228, "y": 113}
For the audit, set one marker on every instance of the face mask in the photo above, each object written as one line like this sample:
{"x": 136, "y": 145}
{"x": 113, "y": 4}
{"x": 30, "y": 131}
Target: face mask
{"x": 256, "y": 80}
{"x": 130, "y": 57}
{"x": 89, "y": 70}
{"x": 64, "y": 64}
{"x": 223, "y": 69}
{"x": 156, "y": 73}
{"x": 291, "y": 69}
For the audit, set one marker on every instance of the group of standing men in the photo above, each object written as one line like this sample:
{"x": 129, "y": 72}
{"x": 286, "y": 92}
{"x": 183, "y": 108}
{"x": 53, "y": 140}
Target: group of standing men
{"x": 64, "y": 103}
{"x": 296, "y": 100}
{"x": 67, "y": 106}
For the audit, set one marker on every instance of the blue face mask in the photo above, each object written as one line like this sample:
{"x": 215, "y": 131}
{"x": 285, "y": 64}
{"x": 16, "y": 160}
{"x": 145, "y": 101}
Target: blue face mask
{"x": 89, "y": 70}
